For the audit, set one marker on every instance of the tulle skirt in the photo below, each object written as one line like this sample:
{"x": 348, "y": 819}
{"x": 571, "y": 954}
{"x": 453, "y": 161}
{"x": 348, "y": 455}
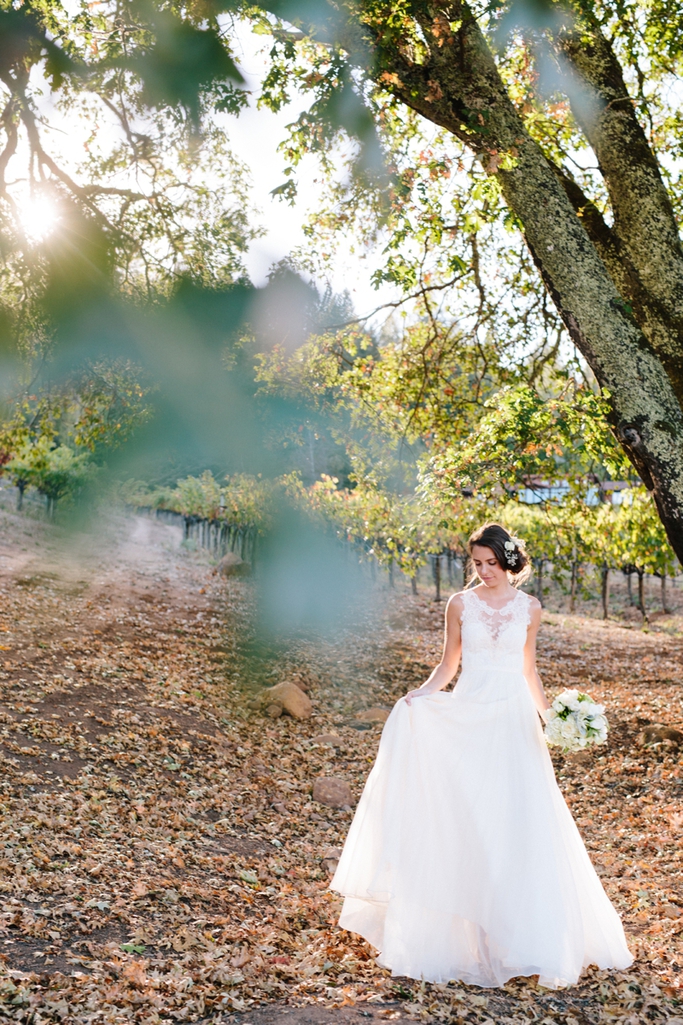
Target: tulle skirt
{"x": 463, "y": 860}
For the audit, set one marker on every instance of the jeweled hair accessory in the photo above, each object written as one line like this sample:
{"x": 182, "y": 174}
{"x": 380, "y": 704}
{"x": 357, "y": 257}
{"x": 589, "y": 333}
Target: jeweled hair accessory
{"x": 511, "y": 550}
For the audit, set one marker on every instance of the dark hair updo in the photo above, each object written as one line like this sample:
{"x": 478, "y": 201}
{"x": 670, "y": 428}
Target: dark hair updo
{"x": 508, "y": 550}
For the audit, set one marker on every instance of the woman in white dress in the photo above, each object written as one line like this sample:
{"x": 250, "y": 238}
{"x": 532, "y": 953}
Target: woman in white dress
{"x": 463, "y": 861}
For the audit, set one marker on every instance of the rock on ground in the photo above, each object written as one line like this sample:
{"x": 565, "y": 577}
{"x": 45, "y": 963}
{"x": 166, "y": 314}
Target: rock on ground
{"x": 291, "y": 698}
{"x": 374, "y": 714}
{"x": 335, "y": 793}
{"x": 231, "y": 565}
{"x": 661, "y": 735}
{"x": 330, "y": 859}
{"x": 328, "y": 740}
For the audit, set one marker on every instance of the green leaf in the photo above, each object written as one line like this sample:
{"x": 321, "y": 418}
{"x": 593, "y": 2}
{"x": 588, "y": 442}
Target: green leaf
{"x": 181, "y": 62}
{"x": 288, "y": 191}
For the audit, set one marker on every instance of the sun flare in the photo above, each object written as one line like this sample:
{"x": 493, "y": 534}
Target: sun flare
{"x": 38, "y": 217}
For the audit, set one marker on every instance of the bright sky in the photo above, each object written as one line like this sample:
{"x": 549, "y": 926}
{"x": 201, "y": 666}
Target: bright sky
{"x": 255, "y": 136}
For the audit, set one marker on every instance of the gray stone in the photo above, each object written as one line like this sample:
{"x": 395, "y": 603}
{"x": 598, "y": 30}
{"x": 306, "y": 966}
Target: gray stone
{"x": 330, "y": 860}
{"x": 231, "y": 565}
{"x": 335, "y": 793}
{"x": 328, "y": 740}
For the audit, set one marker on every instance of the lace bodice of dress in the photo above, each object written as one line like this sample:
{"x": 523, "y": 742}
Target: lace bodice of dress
{"x": 494, "y": 638}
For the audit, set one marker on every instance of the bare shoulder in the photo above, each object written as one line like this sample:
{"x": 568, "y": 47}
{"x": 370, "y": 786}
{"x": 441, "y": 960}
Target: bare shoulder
{"x": 534, "y": 608}
{"x": 455, "y": 605}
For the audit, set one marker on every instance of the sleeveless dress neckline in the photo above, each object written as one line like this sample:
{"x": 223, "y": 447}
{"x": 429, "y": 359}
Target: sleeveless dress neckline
{"x": 463, "y": 861}
{"x": 492, "y": 608}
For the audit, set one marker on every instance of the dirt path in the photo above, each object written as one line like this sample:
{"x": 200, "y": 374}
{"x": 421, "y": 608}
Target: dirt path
{"x": 161, "y": 856}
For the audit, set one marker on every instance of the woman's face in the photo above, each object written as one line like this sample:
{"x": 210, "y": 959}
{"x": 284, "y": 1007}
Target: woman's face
{"x": 486, "y": 564}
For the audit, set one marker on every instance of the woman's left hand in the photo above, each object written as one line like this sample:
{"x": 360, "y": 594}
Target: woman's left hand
{"x": 419, "y": 693}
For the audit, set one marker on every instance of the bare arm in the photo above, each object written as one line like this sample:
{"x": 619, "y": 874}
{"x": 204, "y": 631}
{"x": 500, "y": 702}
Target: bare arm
{"x": 530, "y": 671}
{"x": 450, "y": 660}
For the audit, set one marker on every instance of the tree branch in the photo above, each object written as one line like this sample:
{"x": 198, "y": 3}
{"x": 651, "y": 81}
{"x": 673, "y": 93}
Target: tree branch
{"x": 395, "y": 304}
{"x": 136, "y": 140}
{"x": 46, "y": 160}
{"x": 457, "y": 85}
{"x": 9, "y": 123}
{"x": 644, "y": 222}
{"x": 111, "y": 190}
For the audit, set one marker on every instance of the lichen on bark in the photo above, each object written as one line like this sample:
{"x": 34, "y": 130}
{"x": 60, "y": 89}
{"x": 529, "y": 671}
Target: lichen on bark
{"x": 619, "y": 290}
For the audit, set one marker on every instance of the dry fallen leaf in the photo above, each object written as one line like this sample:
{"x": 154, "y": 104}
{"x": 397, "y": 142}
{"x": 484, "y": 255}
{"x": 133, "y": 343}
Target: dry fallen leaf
{"x": 170, "y": 862}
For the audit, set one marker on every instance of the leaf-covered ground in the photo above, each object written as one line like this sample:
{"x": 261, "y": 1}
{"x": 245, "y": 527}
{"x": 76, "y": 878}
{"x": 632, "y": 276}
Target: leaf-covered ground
{"x": 161, "y": 856}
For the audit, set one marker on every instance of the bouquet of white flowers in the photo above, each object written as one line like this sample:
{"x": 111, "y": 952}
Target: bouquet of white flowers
{"x": 574, "y": 721}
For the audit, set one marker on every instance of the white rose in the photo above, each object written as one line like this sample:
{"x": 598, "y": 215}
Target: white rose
{"x": 569, "y": 730}
{"x": 553, "y": 731}
{"x": 582, "y": 724}
{"x": 567, "y": 699}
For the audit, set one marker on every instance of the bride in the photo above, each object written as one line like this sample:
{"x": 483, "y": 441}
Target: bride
{"x": 463, "y": 861}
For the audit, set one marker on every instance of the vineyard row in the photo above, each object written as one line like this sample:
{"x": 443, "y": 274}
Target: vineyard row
{"x": 219, "y": 536}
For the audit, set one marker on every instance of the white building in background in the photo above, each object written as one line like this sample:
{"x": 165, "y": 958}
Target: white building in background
{"x": 539, "y": 490}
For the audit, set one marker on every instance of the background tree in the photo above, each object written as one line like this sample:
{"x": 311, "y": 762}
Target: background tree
{"x": 526, "y": 93}
{"x": 641, "y": 543}
{"x": 56, "y": 472}
{"x": 529, "y": 97}
{"x": 142, "y": 187}
{"x": 55, "y": 437}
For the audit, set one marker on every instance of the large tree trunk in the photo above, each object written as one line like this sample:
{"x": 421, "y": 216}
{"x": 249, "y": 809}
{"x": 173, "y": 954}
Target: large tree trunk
{"x": 630, "y": 336}
{"x": 648, "y": 269}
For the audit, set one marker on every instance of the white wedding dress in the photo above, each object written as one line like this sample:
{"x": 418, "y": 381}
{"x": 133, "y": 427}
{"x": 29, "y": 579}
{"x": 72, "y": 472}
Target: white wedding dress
{"x": 463, "y": 860}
